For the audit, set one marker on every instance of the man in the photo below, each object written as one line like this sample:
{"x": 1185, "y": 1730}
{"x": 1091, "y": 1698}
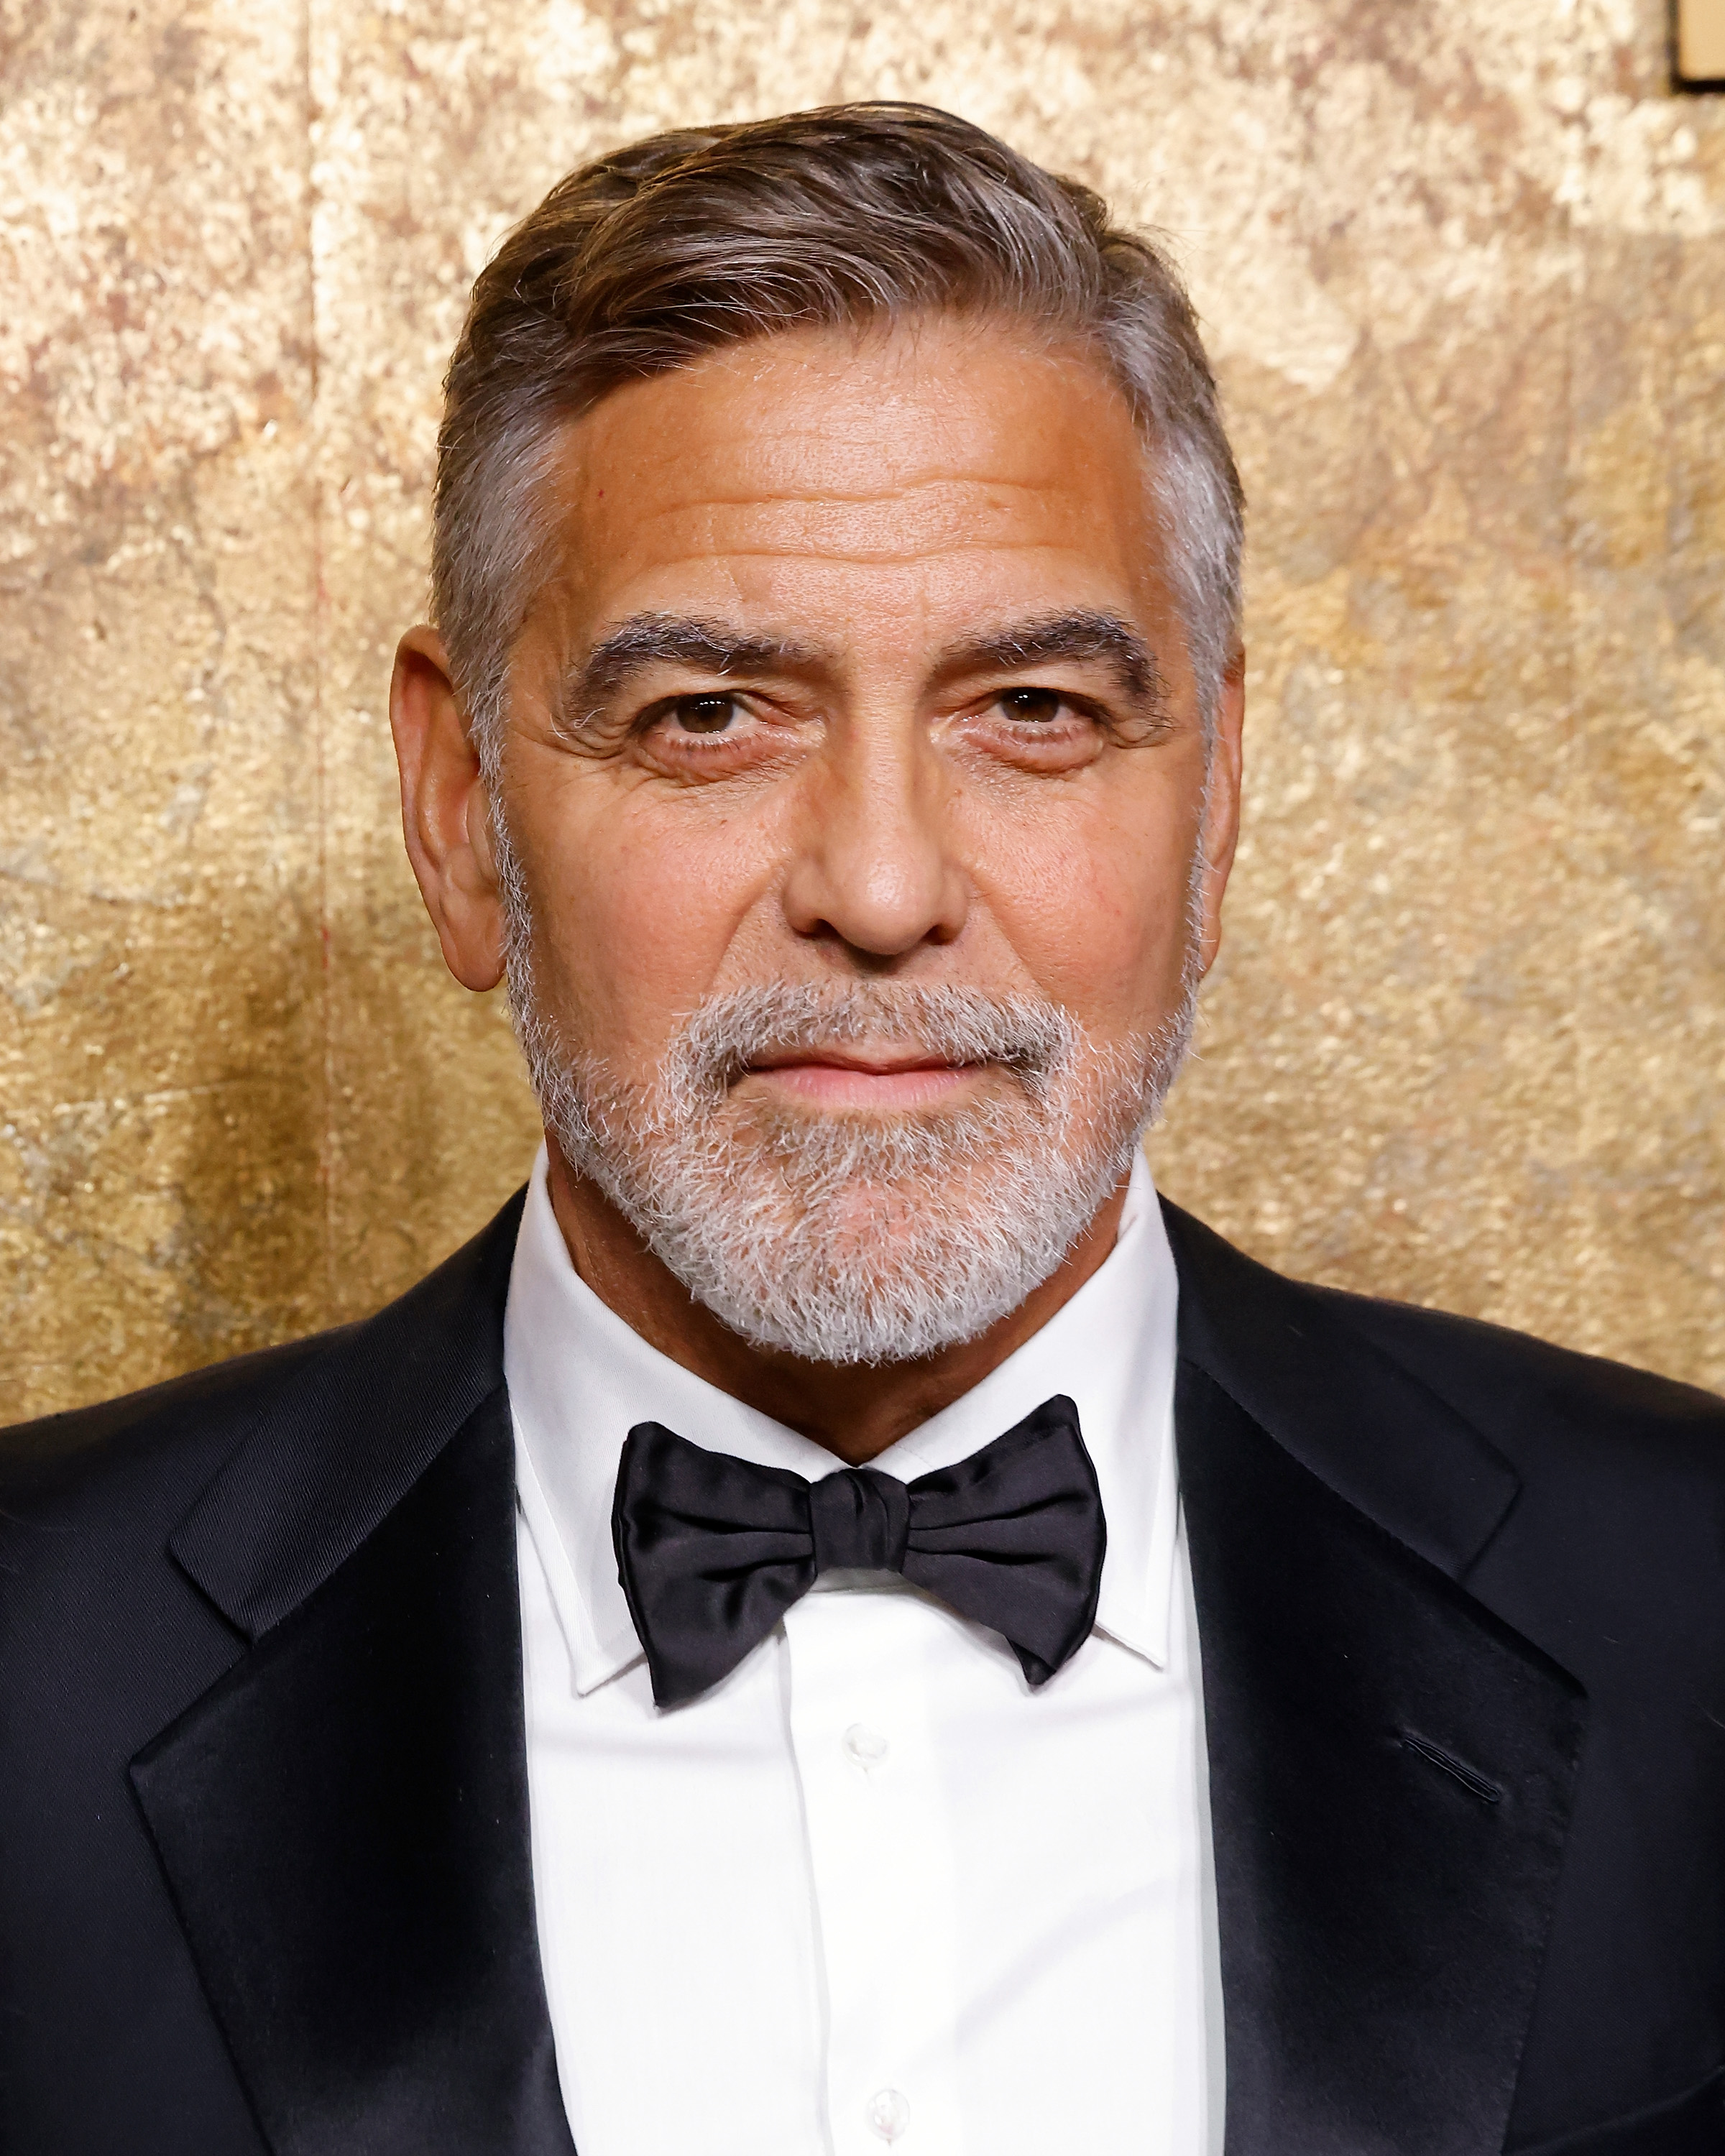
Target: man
{"x": 838, "y": 1622}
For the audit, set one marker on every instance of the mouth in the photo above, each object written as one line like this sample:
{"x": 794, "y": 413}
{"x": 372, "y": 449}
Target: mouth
{"x": 861, "y": 1077}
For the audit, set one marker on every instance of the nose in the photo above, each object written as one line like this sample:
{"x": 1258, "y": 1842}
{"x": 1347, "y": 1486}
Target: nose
{"x": 875, "y": 870}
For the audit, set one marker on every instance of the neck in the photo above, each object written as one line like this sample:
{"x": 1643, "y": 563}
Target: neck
{"x": 852, "y": 1410}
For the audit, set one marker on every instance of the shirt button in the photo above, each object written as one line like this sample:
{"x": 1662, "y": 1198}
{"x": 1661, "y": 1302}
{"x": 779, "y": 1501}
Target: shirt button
{"x": 866, "y": 1747}
{"x": 888, "y": 2114}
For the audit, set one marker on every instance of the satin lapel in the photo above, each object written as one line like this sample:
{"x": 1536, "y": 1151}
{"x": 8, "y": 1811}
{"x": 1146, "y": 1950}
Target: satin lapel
{"x": 1391, "y": 1766}
{"x": 342, "y": 1818}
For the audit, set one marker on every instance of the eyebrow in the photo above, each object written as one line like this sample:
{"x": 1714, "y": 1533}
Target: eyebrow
{"x": 662, "y": 639}
{"x": 714, "y": 647}
{"x": 1081, "y": 636}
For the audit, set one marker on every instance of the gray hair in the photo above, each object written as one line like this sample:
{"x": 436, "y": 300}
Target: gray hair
{"x": 851, "y": 215}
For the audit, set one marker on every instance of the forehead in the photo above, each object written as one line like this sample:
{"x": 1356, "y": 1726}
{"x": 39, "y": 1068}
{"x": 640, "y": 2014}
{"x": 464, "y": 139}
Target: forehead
{"x": 935, "y": 468}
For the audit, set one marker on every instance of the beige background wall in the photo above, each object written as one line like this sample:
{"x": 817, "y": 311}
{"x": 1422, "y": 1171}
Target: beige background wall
{"x": 1463, "y": 265}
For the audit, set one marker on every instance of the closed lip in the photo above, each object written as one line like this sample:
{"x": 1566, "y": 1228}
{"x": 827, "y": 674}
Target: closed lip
{"x": 867, "y": 1062}
{"x": 869, "y": 1081}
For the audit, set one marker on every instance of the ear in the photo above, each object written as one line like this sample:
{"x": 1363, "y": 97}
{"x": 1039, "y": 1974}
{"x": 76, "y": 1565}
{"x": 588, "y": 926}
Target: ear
{"x": 446, "y": 811}
{"x": 1221, "y": 826}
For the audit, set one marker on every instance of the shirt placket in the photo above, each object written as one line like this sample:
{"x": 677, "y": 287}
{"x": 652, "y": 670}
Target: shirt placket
{"x": 881, "y": 1856}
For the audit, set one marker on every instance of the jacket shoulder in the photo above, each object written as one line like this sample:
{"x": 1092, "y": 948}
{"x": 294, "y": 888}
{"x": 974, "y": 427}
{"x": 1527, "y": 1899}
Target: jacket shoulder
{"x": 174, "y": 1433}
{"x": 1513, "y": 1386}
{"x": 1538, "y": 1403}
{"x": 146, "y": 1457}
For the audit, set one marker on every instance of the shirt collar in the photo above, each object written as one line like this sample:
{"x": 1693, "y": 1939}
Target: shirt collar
{"x": 579, "y": 1379}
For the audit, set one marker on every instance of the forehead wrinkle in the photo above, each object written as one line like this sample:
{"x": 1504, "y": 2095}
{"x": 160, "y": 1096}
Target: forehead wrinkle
{"x": 900, "y": 555}
{"x": 811, "y": 495}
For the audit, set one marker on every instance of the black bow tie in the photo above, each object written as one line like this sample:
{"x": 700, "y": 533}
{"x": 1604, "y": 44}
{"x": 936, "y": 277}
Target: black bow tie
{"x": 712, "y": 1551}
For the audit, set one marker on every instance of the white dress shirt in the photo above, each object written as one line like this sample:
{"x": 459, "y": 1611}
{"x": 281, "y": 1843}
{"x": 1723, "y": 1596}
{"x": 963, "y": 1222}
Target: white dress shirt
{"x": 871, "y": 1890}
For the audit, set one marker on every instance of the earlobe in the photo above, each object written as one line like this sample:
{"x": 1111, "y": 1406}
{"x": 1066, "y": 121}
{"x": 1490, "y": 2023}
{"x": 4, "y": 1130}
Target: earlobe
{"x": 445, "y": 811}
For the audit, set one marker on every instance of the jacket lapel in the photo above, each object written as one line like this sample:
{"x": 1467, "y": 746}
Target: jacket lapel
{"x": 342, "y": 1818}
{"x": 1391, "y": 1766}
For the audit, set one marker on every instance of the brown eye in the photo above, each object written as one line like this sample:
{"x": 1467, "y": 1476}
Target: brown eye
{"x": 705, "y": 714}
{"x": 1037, "y": 705}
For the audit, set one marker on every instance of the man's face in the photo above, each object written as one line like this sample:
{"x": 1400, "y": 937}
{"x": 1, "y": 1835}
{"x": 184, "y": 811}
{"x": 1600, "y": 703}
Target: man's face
{"x": 860, "y": 678}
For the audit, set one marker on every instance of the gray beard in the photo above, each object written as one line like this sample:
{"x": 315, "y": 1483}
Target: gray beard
{"x": 849, "y": 1238}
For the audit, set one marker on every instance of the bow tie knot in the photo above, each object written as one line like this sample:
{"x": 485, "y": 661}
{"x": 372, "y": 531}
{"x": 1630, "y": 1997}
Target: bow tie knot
{"x": 860, "y": 1521}
{"x": 711, "y": 1551}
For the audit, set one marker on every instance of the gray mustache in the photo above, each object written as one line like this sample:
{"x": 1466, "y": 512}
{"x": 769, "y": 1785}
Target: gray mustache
{"x": 1030, "y": 1036}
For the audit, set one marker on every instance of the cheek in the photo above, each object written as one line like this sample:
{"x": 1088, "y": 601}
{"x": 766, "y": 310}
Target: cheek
{"x": 636, "y": 905}
{"x": 1094, "y": 906}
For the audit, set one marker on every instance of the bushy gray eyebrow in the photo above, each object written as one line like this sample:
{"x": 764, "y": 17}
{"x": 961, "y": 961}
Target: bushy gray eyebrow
{"x": 1079, "y": 636}
{"x": 661, "y": 639}
{"x": 714, "y": 647}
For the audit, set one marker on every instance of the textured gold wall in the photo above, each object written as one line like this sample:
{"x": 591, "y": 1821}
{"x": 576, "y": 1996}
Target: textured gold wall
{"x": 1463, "y": 266}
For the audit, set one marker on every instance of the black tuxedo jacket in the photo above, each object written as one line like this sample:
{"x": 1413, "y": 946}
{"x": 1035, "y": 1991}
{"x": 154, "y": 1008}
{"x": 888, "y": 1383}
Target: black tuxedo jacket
{"x": 265, "y": 1875}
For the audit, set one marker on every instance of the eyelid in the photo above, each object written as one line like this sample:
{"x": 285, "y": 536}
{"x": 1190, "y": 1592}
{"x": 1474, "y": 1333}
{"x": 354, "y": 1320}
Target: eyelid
{"x": 1119, "y": 718}
{"x": 689, "y": 752}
